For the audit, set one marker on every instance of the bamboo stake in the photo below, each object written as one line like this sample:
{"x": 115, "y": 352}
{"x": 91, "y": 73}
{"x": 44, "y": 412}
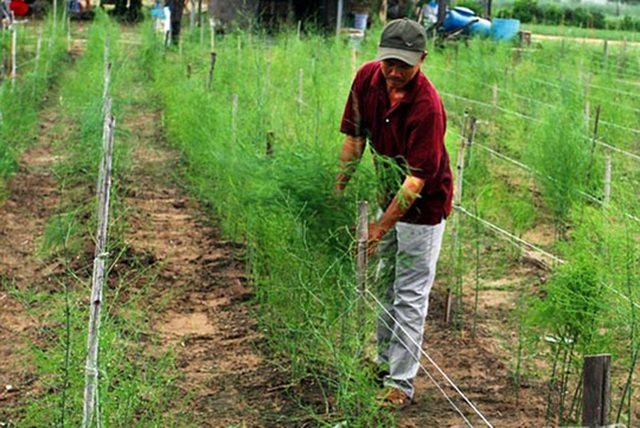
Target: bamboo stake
{"x": 457, "y": 194}
{"x": 91, "y": 368}
{"x": 107, "y": 69}
{"x": 607, "y": 180}
{"x": 192, "y": 15}
{"x": 363, "y": 239}
{"x": 212, "y": 29}
{"x": 234, "y": 114}
{"x": 14, "y": 47}
{"x": 587, "y": 113}
{"x": 300, "y": 84}
{"x": 35, "y": 67}
{"x": 383, "y": 12}
{"x": 494, "y": 107}
{"x": 593, "y": 143}
{"x": 339, "y": 18}
{"x": 362, "y": 261}
{"x": 354, "y": 60}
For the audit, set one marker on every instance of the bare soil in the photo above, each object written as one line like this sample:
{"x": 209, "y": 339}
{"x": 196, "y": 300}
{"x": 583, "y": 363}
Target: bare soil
{"x": 210, "y": 319}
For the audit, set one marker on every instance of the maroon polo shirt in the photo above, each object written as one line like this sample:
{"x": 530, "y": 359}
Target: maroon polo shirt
{"x": 411, "y": 135}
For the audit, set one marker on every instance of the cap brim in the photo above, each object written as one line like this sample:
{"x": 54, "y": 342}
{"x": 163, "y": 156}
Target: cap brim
{"x": 410, "y": 57}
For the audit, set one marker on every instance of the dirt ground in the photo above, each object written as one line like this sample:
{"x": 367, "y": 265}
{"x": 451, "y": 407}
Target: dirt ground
{"x": 211, "y": 322}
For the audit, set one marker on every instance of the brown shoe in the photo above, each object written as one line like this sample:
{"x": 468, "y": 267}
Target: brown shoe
{"x": 393, "y": 398}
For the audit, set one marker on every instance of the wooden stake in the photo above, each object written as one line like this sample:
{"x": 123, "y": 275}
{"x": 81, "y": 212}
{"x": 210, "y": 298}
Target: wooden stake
{"x": 188, "y": 71}
{"x": 212, "y": 64}
{"x": 271, "y": 136}
{"x": 596, "y": 384}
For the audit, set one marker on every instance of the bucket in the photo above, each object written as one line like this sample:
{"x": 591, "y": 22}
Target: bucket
{"x": 360, "y": 21}
{"x": 505, "y": 29}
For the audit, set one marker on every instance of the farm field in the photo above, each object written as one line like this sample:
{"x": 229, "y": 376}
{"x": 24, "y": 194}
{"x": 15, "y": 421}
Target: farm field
{"x": 230, "y": 295}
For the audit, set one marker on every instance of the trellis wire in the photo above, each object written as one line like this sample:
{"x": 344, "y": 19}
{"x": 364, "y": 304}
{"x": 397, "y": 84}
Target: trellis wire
{"x": 581, "y": 193}
{"x": 435, "y": 365}
{"x": 533, "y": 119}
{"x": 98, "y": 279}
{"x": 509, "y": 235}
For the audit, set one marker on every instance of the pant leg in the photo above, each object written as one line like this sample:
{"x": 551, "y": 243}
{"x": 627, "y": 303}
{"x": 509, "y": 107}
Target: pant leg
{"x": 418, "y": 248}
{"x": 383, "y": 286}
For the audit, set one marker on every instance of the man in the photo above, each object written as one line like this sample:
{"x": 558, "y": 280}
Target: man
{"x": 396, "y": 108}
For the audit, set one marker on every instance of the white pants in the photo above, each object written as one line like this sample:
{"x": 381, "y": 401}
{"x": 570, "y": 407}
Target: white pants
{"x": 408, "y": 257}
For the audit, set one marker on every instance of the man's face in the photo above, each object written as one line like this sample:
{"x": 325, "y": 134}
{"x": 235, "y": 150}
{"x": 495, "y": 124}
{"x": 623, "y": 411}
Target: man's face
{"x": 398, "y": 73}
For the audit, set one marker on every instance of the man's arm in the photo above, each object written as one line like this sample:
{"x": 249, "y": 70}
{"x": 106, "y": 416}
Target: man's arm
{"x": 350, "y": 155}
{"x": 399, "y": 206}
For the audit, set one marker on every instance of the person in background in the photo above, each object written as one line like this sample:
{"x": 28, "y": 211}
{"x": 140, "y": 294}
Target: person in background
{"x": 176, "y": 7}
{"x": 395, "y": 108}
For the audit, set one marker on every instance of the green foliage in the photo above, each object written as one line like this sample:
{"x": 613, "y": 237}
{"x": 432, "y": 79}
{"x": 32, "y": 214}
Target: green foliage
{"x": 561, "y": 143}
{"x": 528, "y": 11}
{"x": 21, "y": 99}
{"x": 571, "y": 307}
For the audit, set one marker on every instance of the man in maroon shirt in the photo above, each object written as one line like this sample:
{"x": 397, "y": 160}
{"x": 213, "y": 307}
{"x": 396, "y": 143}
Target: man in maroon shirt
{"x": 394, "y": 107}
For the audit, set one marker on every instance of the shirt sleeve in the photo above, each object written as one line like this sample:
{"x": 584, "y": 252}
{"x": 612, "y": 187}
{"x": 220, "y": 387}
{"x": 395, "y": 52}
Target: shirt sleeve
{"x": 352, "y": 115}
{"x": 426, "y": 146}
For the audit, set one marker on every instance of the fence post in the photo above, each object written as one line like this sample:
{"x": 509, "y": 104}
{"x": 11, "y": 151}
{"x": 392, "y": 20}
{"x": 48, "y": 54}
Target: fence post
{"x": 596, "y": 385}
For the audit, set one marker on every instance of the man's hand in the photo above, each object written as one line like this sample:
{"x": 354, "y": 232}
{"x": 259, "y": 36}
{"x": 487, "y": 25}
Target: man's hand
{"x": 376, "y": 232}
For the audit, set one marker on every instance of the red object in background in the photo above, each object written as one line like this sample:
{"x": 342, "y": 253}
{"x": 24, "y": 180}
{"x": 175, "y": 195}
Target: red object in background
{"x": 19, "y": 7}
